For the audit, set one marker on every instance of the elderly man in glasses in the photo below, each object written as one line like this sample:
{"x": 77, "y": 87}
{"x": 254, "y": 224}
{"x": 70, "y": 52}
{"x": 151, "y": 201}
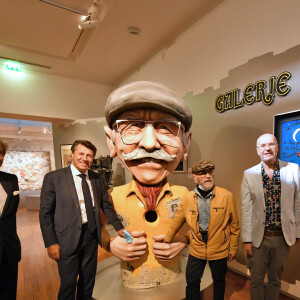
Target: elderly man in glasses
{"x": 270, "y": 217}
{"x": 211, "y": 214}
{"x": 148, "y": 128}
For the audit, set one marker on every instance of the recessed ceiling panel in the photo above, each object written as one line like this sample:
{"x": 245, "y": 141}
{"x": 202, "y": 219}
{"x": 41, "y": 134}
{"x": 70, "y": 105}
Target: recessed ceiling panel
{"x": 40, "y": 27}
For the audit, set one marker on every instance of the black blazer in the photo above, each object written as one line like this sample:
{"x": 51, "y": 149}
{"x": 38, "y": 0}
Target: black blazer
{"x": 9, "y": 240}
{"x": 60, "y": 215}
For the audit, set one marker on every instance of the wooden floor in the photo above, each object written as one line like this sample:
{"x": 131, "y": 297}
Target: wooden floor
{"x": 38, "y": 275}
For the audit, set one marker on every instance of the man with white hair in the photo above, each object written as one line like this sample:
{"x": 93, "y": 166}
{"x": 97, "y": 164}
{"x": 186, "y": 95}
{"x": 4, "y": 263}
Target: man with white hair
{"x": 148, "y": 128}
{"x": 270, "y": 217}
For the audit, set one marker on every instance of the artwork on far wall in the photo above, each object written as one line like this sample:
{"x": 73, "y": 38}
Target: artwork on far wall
{"x": 287, "y": 132}
{"x": 182, "y": 166}
{"x": 66, "y": 155}
{"x": 29, "y": 166}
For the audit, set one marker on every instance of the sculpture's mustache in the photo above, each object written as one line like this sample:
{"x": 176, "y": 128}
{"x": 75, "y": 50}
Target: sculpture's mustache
{"x": 140, "y": 153}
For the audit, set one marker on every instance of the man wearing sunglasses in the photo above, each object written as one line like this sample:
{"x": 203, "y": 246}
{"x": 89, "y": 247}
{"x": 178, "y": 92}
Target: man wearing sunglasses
{"x": 210, "y": 212}
{"x": 148, "y": 129}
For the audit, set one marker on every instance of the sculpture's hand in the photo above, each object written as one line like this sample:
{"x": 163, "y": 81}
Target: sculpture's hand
{"x": 167, "y": 251}
{"x": 132, "y": 251}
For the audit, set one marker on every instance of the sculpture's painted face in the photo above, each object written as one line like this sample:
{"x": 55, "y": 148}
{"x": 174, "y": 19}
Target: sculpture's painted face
{"x": 150, "y": 150}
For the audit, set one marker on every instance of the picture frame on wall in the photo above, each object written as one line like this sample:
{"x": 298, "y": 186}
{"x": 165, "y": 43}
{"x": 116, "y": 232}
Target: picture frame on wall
{"x": 66, "y": 155}
{"x": 287, "y": 132}
{"x": 182, "y": 166}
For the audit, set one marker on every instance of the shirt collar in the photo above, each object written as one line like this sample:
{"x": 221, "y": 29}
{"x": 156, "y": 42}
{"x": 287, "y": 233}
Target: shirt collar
{"x": 75, "y": 172}
{"x": 277, "y": 168}
{"x": 133, "y": 189}
{"x": 209, "y": 195}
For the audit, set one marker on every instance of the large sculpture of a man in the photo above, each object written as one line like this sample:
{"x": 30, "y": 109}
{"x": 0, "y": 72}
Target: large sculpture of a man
{"x": 148, "y": 129}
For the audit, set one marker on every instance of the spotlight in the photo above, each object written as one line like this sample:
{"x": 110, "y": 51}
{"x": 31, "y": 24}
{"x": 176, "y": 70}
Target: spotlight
{"x": 88, "y": 24}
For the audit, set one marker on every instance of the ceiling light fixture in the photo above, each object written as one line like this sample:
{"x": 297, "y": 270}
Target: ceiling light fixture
{"x": 88, "y": 24}
{"x": 19, "y": 127}
{"x": 90, "y": 21}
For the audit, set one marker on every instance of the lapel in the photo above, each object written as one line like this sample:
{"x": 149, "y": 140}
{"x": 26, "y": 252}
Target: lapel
{"x": 71, "y": 186}
{"x": 7, "y": 187}
{"x": 283, "y": 179}
{"x": 5, "y": 183}
{"x": 259, "y": 184}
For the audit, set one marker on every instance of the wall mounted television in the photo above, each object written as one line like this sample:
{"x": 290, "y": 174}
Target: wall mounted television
{"x": 287, "y": 132}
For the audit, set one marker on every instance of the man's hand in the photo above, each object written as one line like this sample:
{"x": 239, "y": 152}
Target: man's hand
{"x": 167, "y": 251}
{"x": 248, "y": 248}
{"x": 121, "y": 233}
{"x": 54, "y": 252}
{"x": 230, "y": 257}
{"x": 132, "y": 251}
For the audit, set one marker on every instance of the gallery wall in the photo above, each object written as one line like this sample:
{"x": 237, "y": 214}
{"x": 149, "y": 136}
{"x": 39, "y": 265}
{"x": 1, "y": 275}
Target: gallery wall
{"x": 238, "y": 43}
{"x": 39, "y": 94}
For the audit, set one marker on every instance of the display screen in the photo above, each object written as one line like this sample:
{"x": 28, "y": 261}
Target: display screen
{"x": 291, "y": 141}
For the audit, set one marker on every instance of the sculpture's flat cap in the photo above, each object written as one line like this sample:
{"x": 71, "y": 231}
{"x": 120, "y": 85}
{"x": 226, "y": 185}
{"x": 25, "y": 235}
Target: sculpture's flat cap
{"x": 147, "y": 94}
{"x": 202, "y": 165}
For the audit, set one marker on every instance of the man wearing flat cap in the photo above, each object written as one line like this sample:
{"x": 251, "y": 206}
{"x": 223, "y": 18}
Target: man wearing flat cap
{"x": 210, "y": 212}
{"x": 148, "y": 128}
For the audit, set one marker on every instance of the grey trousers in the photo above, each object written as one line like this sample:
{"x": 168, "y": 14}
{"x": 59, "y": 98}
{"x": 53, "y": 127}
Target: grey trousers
{"x": 271, "y": 257}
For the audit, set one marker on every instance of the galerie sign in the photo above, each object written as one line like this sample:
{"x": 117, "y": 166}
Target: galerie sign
{"x": 255, "y": 93}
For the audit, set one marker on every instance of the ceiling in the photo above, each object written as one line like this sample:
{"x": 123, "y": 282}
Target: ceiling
{"x": 47, "y": 38}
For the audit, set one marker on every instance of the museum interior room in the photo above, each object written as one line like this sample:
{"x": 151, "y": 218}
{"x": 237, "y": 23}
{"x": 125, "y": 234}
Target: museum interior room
{"x": 235, "y": 63}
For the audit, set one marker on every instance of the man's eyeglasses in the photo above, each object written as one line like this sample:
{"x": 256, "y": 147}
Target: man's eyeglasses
{"x": 264, "y": 146}
{"x": 132, "y": 131}
{"x": 205, "y": 172}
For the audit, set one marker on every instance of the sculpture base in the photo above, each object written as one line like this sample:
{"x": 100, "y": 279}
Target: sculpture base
{"x": 157, "y": 277}
{"x": 109, "y": 284}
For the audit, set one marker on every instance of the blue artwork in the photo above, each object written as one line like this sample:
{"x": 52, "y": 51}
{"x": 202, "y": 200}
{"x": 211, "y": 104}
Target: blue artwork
{"x": 290, "y": 141}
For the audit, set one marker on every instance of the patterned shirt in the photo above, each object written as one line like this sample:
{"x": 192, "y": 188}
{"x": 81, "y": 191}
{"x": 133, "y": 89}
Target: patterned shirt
{"x": 272, "y": 194}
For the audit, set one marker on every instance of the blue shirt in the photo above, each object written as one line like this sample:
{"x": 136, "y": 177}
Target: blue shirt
{"x": 203, "y": 209}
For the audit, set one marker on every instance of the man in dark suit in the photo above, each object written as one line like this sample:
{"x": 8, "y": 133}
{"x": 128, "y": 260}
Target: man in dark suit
{"x": 71, "y": 199}
{"x": 10, "y": 247}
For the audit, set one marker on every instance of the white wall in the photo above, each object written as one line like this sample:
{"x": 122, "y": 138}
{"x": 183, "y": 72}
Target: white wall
{"x": 229, "y": 36}
{"x": 40, "y": 94}
{"x": 239, "y": 42}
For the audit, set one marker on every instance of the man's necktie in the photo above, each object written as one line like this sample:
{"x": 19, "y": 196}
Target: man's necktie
{"x": 88, "y": 204}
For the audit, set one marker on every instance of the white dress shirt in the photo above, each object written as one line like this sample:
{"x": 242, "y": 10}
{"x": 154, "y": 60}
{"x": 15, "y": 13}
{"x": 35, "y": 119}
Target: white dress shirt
{"x": 78, "y": 186}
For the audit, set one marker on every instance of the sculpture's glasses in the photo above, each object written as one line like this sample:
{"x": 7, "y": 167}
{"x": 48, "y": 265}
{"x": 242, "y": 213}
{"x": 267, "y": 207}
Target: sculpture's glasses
{"x": 133, "y": 131}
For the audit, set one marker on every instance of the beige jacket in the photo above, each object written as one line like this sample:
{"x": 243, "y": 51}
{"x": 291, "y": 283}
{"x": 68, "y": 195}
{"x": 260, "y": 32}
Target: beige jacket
{"x": 223, "y": 228}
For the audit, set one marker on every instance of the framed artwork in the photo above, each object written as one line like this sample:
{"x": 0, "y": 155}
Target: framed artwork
{"x": 287, "y": 132}
{"x": 182, "y": 166}
{"x": 66, "y": 155}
